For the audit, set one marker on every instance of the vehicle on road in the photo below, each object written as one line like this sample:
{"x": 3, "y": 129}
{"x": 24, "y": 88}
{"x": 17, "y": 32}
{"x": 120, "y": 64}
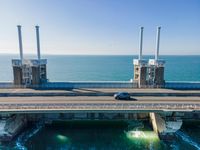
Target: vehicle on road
{"x": 122, "y": 96}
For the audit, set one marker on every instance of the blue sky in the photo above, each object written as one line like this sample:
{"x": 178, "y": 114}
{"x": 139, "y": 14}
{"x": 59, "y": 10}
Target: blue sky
{"x": 101, "y": 26}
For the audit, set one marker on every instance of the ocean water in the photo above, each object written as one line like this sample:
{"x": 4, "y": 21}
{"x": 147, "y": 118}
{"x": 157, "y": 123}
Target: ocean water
{"x": 105, "y": 68}
{"x": 107, "y": 137}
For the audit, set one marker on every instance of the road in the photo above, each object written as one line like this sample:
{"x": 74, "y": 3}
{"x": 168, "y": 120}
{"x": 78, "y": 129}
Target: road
{"x": 97, "y": 92}
{"x": 96, "y": 99}
{"x": 97, "y": 103}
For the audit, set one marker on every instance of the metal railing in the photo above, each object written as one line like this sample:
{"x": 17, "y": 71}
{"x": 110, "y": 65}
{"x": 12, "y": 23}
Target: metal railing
{"x": 100, "y": 106}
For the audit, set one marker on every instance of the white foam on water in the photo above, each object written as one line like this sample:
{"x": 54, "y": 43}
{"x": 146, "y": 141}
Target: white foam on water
{"x": 188, "y": 139}
{"x": 21, "y": 140}
{"x": 174, "y": 146}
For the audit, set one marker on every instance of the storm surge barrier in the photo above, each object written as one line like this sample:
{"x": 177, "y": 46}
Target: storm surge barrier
{"x": 102, "y": 84}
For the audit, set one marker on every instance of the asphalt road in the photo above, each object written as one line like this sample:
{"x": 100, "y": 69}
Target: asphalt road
{"x": 96, "y": 99}
{"x": 99, "y": 90}
{"x": 38, "y": 103}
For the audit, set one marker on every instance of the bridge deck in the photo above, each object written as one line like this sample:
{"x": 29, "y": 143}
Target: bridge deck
{"x": 99, "y": 91}
{"x": 97, "y": 103}
{"x": 30, "y": 100}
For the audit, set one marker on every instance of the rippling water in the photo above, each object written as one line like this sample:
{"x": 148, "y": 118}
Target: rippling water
{"x": 103, "y": 136}
{"x": 106, "y": 68}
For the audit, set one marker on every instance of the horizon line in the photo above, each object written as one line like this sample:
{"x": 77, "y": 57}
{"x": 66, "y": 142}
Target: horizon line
{"x": 101, "y": 54}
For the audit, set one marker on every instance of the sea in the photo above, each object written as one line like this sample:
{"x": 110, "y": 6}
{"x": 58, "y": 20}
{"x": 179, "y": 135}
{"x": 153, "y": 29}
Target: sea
{"x": 92, "y": 135}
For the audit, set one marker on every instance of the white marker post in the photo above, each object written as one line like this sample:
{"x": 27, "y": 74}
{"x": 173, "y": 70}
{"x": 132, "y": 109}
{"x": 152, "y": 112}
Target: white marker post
{"x": 141, "y": 43}
{"x": 38, "y": 41}
{"x": 157, "y": 44}
{"x": 20, "y": 42}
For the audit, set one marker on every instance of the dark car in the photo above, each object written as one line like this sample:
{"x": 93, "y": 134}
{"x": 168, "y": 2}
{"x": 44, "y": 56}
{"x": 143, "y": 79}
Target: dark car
{"x": 122, "y": 96}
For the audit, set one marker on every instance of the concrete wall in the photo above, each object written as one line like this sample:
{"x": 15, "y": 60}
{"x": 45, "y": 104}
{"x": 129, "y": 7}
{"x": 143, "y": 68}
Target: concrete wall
{"x": 159, "y": 76}
{"x": 17, "y": 73}
{"x": 78, "y": 84}
{"x": 105, "y": 84}
{"x": 143, "y": 76}
{"x": 158, "y": 123}
{"x": 90, "y": 84}
{"x": 140, "y": 75}
{"x": 182, "y": 85}
{"x": 35, "y": 75}
{"x": 43, "y": 73}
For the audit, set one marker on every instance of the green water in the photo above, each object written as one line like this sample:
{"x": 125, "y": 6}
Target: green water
{"x": 95, "y": 136}
{"x": 98, "y": 135}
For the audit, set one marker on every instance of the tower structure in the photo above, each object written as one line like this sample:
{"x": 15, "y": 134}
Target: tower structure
{"x": 140, "y": 65}
{"x": 29, "y": 71}
{"x": 156, "y": 66}
{"x": 17, "y": 64}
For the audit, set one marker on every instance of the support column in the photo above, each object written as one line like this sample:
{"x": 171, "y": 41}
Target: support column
{"x": 140, "y": 65}
{"x": 164, "y": 128}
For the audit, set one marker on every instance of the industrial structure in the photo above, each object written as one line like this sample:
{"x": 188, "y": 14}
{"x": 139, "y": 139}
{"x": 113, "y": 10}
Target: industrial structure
{"x": 32, "y": 72}
{"x": 140, "y": 65}
{"x": 165, "y": 108}
{"x": 149, "y": 74}
{"x": 29, "y": 71}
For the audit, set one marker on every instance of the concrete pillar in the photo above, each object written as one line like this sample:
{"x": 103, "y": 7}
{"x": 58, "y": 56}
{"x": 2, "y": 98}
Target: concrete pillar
{"x": 159, "y": 76}
{"x": 35, "y": 75}
{"x": 96, "y": 115}
{"x": 164, "y": 128}
{"x": 43, "y": 73}
{"x": 17, "y": 73}
{"x": 158, "y": 123}
{"x": 140, "y": 65}
{"x": 126, "y": 116}
{"x": 39, "y": 74}
{"x": 140, "y": 72}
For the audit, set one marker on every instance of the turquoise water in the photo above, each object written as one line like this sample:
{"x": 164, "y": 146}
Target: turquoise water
{"x": 105, "y": 68}
{"x": 106, "y": 136}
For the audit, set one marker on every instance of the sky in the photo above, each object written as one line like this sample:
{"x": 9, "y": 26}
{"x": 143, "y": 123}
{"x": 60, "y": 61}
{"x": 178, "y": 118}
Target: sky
{"x": 101, "y": 27}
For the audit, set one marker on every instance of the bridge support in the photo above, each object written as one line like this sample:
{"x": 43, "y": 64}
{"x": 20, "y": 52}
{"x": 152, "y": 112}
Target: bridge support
{"x": 28, "y": 72}
{"x": 164, "y": 128}
{"x": 140, "y": 65}
{"x": 11, "y": 126}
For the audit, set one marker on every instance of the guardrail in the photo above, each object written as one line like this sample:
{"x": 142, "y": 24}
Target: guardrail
{"x": 99, "y": 107}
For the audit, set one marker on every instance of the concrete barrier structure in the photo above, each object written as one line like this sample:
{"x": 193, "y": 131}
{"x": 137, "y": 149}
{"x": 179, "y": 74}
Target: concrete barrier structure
{"x": 187, "y": 85}
{"x": 29, "y": 71}
{"x": 164, "y": 128}
{"x": 89, "y": 84}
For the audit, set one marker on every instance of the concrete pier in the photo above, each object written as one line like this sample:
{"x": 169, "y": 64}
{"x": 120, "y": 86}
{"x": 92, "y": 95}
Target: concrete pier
{"x": 29, "y": 71}
{"x": 165, "y": 128}
{"x": 17, "y": 73}
{"x": 11, "y": 126}
{"x": 140, "y": 65}
{"x": 149, "y": 74}
{"x": 156, "y": 67}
